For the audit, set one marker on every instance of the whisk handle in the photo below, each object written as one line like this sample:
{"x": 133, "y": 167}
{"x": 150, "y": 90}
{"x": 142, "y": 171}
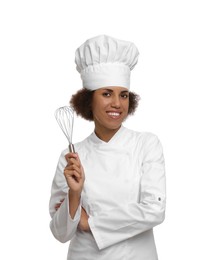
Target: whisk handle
{"x": 71, "y": 148}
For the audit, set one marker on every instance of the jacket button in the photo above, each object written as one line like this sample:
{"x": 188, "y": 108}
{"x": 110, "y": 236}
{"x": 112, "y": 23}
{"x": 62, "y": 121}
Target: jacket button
{"x": 159, "y": 199}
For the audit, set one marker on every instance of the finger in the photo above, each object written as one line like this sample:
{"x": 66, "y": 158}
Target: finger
{"x": 72, "y": 174}
{"x": 74, "y": 161}
{"x": 76, "y": 168}
{"x": 57, "y": 206}
{"x": 73, "y": 167}
{"x": 70, "y": 156}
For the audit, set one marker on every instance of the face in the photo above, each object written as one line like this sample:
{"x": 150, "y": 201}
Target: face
{"x": 110, "y": 107}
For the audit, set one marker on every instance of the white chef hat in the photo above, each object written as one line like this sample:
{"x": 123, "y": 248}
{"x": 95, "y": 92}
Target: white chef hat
{"x": 106, "y": 61}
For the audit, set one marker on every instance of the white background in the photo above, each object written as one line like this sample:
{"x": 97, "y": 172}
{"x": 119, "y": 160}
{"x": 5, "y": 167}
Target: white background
{"x": 177, "y": 78}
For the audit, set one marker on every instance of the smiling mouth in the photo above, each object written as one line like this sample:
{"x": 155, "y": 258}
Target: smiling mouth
{"x": 114, "y": 115}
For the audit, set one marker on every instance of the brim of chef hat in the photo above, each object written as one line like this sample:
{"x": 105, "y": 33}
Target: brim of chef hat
{"x": 106, "y": 74}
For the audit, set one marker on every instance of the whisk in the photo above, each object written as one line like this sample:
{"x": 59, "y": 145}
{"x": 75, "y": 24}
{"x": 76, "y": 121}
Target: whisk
{"x": 65, "y": 118}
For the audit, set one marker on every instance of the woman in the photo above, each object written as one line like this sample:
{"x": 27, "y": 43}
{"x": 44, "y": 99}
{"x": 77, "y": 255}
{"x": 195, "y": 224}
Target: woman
{"x": 107, "y": 197}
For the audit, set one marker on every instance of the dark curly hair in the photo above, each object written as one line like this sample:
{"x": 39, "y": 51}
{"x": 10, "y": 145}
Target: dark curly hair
{"x": 82, "y": 101}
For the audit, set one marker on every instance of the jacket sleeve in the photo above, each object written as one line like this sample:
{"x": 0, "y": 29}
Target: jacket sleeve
{"x": 63, "y": 227}
{"x": 126, "y": 221}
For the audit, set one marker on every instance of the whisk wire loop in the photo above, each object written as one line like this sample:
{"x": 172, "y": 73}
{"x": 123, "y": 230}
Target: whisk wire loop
{"x": 65, "y": 118}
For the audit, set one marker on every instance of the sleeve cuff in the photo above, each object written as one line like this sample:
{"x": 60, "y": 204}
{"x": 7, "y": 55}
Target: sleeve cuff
{"x": 77, "y": 215}
{"x": 95, "y": 234}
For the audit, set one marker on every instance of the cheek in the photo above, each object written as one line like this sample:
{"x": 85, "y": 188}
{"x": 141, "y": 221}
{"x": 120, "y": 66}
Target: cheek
{"x": 126, "y": 106}
{"x": 97, "y": 110}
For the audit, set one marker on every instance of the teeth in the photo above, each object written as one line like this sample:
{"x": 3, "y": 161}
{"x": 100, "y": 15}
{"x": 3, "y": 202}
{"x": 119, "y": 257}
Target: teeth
{"x": 113, "y": 114}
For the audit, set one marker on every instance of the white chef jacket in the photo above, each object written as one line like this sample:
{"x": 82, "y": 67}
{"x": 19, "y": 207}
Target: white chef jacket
{"x": 123, "y": 194}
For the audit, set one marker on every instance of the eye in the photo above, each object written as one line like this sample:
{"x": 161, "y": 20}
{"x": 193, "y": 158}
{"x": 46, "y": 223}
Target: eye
{"x": 106, "y": 94}
{"x": 124, "y": 95}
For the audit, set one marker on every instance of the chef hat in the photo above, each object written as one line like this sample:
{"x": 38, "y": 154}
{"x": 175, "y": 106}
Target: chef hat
{"x": 106, "y": 61}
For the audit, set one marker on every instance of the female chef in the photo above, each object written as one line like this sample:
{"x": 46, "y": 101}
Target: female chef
{"x": 107, "y": 197}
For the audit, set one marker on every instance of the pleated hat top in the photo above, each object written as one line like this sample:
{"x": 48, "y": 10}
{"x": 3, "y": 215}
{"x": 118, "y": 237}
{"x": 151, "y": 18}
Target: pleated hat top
{"x": 106, "y": 61}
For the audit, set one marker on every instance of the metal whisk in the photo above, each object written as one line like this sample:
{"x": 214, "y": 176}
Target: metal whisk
{"x": 65, "y": 118}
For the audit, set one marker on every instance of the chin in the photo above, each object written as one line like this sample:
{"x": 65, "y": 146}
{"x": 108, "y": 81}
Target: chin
{"x": 114, "y": 127}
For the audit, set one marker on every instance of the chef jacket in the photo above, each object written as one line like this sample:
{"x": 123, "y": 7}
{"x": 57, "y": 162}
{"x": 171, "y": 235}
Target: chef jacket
{"x": 123, "y": 195}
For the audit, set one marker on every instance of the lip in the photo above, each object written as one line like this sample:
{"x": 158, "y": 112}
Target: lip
{"x": 114, "y": 114}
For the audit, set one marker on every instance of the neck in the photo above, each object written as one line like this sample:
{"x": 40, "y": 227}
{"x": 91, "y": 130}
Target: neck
{"x": 105, "y": 134}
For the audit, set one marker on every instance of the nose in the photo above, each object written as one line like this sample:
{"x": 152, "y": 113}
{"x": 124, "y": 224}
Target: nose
{"x": 115, "y": 102}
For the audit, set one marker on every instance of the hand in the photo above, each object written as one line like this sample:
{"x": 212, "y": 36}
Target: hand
{"x": 74, "y": 173}
{"x": 57, "y": 206}
{"x": 83, "y": 223}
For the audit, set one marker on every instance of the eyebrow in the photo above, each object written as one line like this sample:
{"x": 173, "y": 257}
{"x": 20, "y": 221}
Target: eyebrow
{"x": 111, "y": 90}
